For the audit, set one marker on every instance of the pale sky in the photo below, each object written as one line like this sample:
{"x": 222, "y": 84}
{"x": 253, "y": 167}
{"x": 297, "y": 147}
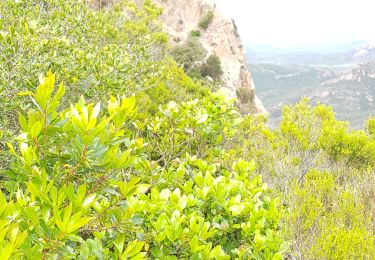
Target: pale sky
{"x": 302, "y": 23}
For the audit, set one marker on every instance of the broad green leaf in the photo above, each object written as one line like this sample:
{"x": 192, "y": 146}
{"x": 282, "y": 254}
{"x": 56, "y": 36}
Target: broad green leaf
{"x": 133, "y": 249}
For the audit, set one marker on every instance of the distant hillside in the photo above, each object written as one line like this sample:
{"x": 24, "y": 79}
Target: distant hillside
{"x": 351, "y": 94}
{"x": 281, "y": 84}
{"x": 365, "y": 53}
{"x": 353, "y": 53}
{"x": 344, "y": 80}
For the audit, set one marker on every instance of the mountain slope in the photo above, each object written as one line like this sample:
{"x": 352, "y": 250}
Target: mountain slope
{"x": 281, "y": 84}
{"x": 351, "y": 94}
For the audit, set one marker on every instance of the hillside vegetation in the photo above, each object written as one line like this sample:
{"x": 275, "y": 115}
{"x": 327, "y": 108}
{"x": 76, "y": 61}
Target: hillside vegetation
{"x": 110, "y": 151}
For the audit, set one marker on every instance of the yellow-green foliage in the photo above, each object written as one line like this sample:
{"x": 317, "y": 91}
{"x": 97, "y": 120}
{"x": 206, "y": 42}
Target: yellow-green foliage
{"x": 95, "y": 52}
{"x": 328, "y": 221}
{"x": 370, "y": 126}
{"x": 127, "y": 173}
{"x": 353, "y": 147}
{"x": 195, "y": 33}
{"x": 119, "y": 49}
{"x": 89, "y": 183}
{"x": 324, "y": 173}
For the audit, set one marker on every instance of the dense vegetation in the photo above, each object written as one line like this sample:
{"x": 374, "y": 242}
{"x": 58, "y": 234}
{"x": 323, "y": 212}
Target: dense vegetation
{"x": 95, "y": 52}
{"x": 107, "y": 184}
{"x": 107, "y": 166}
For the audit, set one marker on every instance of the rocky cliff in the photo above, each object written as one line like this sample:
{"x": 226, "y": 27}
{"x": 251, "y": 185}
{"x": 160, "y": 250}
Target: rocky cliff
{"x": 220, "y": 38}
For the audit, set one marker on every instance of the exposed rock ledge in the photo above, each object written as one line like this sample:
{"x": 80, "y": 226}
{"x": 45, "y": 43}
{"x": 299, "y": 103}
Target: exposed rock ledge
{"x": 221, "y": 38}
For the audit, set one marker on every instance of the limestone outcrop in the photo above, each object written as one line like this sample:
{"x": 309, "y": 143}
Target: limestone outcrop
{"x": 220, "y": 38}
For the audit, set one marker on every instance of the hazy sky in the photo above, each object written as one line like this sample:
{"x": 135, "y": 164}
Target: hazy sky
{"x": 302, "y": 23}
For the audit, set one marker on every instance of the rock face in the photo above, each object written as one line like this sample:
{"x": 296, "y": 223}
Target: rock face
{"x": 181, "y": 17}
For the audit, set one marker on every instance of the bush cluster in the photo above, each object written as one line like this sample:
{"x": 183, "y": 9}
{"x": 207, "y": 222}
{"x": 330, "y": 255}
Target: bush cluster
{"x": 189, "y": 54}
{"x": 323, "y": 172}
{"x": 140, "y": 176}
{"x": 88, "y": 183}
{"x": 245, "y": 95}
{"x": 96, "y": 52}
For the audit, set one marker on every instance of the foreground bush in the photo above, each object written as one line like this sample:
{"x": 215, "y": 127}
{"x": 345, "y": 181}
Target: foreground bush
{"x": 85, "y": 183}
{"x": 117, "y": 49}
{"x": 120, "y": 47}
{"x": 328, "y": 220}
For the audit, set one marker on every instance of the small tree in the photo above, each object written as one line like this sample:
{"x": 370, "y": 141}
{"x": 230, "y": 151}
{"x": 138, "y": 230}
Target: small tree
{"x": 212, "y": 68}
{"x": 189, "y": 53}
{"x": 245, "y": 95}
{"x": 207, "y": 20}
{"x": 195, "y": 33}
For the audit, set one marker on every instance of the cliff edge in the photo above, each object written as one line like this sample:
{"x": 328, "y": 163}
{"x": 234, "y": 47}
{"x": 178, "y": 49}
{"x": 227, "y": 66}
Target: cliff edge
{"x": 220, "y": 38}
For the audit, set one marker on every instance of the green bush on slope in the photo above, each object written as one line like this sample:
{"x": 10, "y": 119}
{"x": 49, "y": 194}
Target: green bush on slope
{"x": 189, "y": 54}
{"x": 207, "y": 20}
{"x": 329, "y": 220}
{"x": 324, "y": 175}
{"x": 117, "y": 49}
{"x": 108, "y": 182}
{"x": 96, "y": 52}
{"x": 88, "y": 183}
{"x": 212, "y": 68}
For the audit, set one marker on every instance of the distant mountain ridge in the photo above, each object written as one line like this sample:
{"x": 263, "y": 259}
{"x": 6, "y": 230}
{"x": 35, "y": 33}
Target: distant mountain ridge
{"x": 352, "y": 53}
{"x": 282, "y": 84}
{"x": 343, "y": 80}
{"x": 365, "y": 53}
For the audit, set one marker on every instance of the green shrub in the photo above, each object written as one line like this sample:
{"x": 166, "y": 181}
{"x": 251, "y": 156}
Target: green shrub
{"x": 195, "y": 33}
{"x": 328, "y": 222}
{"x": 370, "y": 126}
{"x": 87, "y": 47}
{"x": 212, "y": 68}
{"x": 245, "y": 94}
{"x": 118, "y": 49}
{"x": 189, "y": 54}
{"x": 207, "y": 20}
{"x": 354, "y": 148}
{"x": 93, "y": 183}
{"x": 328, "y": 212}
